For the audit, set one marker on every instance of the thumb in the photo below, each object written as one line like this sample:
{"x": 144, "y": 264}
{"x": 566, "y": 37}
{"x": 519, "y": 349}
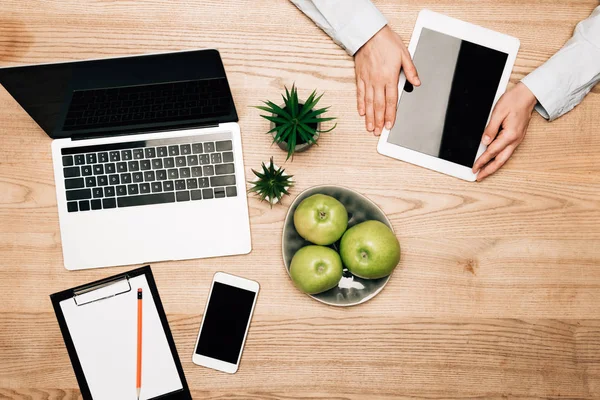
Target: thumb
{"x": 410, "y": 70}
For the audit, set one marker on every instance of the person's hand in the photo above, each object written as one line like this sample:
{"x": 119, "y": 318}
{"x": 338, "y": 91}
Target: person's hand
{"x": 377, "y": 66}
{"x": 512, "y": 113}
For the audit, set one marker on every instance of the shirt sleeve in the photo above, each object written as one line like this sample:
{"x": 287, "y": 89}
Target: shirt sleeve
{"x": 350, "y": 23}
{"x": 565, "y": 79}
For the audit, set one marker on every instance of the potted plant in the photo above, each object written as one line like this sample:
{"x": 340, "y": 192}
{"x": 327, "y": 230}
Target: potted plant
{"x": 271, "y": 184}
{"x": 295, "y": 126}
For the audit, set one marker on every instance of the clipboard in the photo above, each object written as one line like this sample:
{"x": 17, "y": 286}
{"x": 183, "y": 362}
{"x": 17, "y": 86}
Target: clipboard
{"x": 98, "y": 324}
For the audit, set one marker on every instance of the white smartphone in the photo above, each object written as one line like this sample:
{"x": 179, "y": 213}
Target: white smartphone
{"x": 225, "y": 322}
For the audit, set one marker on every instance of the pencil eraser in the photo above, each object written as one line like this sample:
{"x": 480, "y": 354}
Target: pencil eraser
{"x": 140, "y": 290}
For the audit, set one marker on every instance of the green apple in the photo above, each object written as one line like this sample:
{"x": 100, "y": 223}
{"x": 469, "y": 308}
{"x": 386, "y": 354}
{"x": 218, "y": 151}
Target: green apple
{"x": 321, "y": 219}
{"x": 315, "y": 269}
{"x": 370, "y": 250}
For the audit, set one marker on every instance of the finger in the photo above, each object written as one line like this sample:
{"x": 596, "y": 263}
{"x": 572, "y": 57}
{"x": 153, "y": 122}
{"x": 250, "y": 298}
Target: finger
{"x": 410, "y": 70}
{"x": 379, "y": 109}
{"x": 491, "y": 130}
{"x": 391, "y": 101}
{"x": 360, "y": 96}
{"x": 369, "y": 116}
{"x": 498, "y": 162}
{"x": 494, "y": 149}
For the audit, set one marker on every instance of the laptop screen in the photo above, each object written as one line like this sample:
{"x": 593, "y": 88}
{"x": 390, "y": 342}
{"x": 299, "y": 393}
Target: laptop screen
{"x": 117, "y": 95}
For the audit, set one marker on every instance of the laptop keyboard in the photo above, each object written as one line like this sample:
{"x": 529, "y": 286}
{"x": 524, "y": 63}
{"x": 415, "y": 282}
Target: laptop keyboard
{"x": 132, "y": 105}
{"x": 156, "y": 171}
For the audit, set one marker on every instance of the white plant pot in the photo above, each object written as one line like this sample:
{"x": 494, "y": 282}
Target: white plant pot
{"x": 276, "y": 200}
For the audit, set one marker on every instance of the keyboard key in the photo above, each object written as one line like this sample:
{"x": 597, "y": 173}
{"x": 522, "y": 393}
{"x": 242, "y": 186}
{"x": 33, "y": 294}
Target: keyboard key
{"x": 144, "y": 188}
{"x": 90, "y": 181}
{"x": 91, "y": 158}
{"x": 109, "y": 203}
{"x": 192, "y": 183}
{"x": 86, "y": 170}
{"x": 109, "y": 168}
{"x": 145, "y": 199}
{"x": 72, "y": 206}
{"x": 102, "y": 180}
{"x": 197, "y": 148}
{"x": 173, "y": 174}
{"x": 231, "y": 191}
{"x": 169, "y": 162}
{"x": 122, "y": 167}
{"x": 97, "y": 192}
{"x": 121, "y": 190}
{"x": 222, "y": 180}
{"x": 204, "y": 159}
{"x": 157, "y": 163}
{"x": 71, "y": 172}
{"x": 109, "y": 191}
{"x": 149, "y": 176}
{"x": 215, "y": 158}
{"x": 203, "y": 182}
{"x": 209, "y": 147}
{"x": 227, "y": 157}
{"x": 132, "y": 189}
{"x": 138, "y": 177}
{"x": 180, "y": 184}
{"x": 79, "y": 194}
{"x": 75, "y": 183}
{"x": 180, "y": 161}
{"x": 96, "y": 204}
{"x": 79, "y": 159}
{"x": 174, "y": 150}
{"x": 98, "y": 169}
{"x": 103, "y": 157}
{"x": 223, "y": 169}
{"x": 126, "y": 155}
{"x": 114, "y": 179}
{"x": 196, "y": 171}
{"x": 133, "y": 166}
{"x": 126, "y": 178}
{"x": 156, "y": 187}
{"x": 224, "y": 145}
{"x": 186, "y": 149}
{"x": 150, "y": 152}
{"x": 196, "y": 194}
{"x": 168, "y": 186}
{"x": 67, "y": 161}
{"x": 219, "y": 193}
{"x": 192, "y": 160}
{"x": 208, "y": 170}
{"x": 207, "y": 194}
{"x": 161, "y": 174}
{"x": 138, "y": 154}
{"x": 161, "y": 151}
{"x": 114, "y": 156}
{"x": 183, "y": 196}
{"x": 184, "y": 172}
{"x": 84, "y": 205}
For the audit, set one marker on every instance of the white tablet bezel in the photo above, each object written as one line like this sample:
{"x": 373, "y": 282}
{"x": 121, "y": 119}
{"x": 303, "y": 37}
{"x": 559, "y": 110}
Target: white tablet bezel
{"x": 465, "y": 31}
{"x": 234, "y": 281}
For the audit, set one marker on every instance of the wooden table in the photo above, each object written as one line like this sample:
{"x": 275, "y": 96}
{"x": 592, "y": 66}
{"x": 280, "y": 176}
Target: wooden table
{"x": 498, "y": 291}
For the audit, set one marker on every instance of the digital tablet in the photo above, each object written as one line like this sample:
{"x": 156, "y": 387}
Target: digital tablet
{"x": 464, "y": 69}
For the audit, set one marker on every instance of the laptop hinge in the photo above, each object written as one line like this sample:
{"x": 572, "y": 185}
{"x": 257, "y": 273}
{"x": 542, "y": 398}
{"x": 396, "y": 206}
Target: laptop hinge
{"x": 105, "y": 134}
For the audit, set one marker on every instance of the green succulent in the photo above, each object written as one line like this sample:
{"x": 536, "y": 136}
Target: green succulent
{"x": 295, "y": 123}
{"x": 272, "y": 183}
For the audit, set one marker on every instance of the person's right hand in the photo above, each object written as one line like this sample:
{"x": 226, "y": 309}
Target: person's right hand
{"x": 377, "y": 66}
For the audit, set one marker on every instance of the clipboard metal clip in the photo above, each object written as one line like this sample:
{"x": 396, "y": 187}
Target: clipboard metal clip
{"x": 102, "y": 290}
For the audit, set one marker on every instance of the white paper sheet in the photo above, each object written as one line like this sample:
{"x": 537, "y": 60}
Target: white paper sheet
{"x": 105, "y": 337}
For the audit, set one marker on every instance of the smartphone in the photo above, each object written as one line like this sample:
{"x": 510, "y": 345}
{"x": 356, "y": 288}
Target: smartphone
{"x": 225, "y": 322}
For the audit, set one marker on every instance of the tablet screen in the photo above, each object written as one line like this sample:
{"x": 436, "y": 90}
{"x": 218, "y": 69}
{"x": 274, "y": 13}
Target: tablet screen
{"x": 445, "y": 117}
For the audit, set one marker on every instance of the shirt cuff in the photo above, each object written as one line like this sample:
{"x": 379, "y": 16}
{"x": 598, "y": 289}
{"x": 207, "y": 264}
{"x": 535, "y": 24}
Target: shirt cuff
{"x": 363, "y": 26}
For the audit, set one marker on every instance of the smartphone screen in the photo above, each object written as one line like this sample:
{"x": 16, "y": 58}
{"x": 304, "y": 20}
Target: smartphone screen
{"x": 225, "y": 323}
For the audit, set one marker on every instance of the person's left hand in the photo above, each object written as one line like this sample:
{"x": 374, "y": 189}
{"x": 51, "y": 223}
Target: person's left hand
{"x": 512, "y": 113}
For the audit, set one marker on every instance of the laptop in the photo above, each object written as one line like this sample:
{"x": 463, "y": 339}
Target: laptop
{"x": 147, "y": 156}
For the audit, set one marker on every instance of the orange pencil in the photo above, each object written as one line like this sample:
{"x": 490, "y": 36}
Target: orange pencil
{"x": 138, "y": 381}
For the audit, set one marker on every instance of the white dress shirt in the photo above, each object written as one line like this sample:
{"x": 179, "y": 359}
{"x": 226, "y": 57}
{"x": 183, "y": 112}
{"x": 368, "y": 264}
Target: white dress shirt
{"x": 559, "y": 84}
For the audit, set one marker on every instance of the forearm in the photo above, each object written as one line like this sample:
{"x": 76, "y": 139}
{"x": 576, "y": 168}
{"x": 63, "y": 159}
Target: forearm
{"x": 565, "y": 79}
{"x": 350, "y": 23}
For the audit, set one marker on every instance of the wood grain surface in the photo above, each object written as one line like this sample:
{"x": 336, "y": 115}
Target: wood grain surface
{"x": 498, "y": 292}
